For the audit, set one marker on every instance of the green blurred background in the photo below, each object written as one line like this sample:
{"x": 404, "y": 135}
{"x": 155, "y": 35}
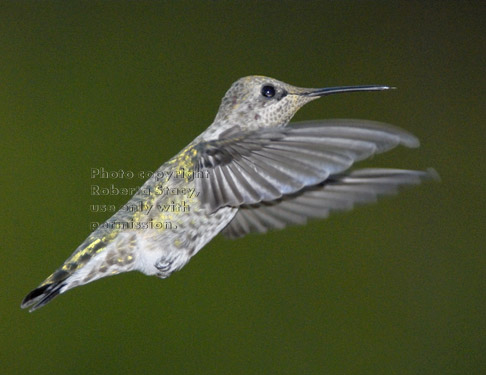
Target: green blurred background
{"x": 393, "y": 288}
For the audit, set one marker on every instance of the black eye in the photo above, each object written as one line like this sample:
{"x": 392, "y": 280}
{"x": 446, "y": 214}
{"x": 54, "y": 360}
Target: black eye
{"x": 268, "y": 91}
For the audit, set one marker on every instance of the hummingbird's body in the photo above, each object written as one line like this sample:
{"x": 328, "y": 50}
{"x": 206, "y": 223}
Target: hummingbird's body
{"x": 250, "y": 171}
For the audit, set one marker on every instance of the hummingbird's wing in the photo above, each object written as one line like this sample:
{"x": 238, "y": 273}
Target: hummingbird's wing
{"x": 246, "y": 168}
{"x": 338, "y": 193}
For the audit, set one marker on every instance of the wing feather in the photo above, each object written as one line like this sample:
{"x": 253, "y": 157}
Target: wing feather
{"x": 340, "y": 192}
{"x": 247, "y": 168}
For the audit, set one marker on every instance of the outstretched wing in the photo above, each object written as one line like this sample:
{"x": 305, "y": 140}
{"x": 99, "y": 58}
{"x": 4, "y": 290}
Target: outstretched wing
{"x": 247, "y": 168}
{"x": 338, "y": 193}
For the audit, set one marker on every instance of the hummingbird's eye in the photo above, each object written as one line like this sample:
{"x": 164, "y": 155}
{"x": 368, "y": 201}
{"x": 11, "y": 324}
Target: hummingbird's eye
{"x": 268, "y": 91}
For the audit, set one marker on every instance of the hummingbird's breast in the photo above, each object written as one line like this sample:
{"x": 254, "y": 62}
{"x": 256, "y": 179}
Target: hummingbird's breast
{"x": 169, "y": 219}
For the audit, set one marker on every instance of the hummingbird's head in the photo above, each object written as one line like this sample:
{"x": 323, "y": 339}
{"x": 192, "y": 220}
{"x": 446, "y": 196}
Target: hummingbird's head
{"x": 256, "y": 101}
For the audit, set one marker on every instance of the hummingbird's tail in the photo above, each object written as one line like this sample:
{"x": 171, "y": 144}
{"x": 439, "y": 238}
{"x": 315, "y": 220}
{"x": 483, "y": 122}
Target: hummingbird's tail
{"x": 46, "y": 291}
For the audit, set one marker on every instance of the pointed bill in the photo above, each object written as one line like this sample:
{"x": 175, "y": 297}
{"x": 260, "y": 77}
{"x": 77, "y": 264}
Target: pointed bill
{"x": 342, "y": 89}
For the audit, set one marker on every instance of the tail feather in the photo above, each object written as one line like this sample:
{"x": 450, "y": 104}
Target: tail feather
{"x": 41, "y": 296}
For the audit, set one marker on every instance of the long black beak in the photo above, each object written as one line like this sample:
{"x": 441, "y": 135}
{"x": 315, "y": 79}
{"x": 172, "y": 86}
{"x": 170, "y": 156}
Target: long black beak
{"x": 339, "y": 89}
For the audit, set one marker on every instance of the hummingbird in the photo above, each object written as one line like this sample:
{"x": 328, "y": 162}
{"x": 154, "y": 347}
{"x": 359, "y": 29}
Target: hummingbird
{"x": 250, "y": 171}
